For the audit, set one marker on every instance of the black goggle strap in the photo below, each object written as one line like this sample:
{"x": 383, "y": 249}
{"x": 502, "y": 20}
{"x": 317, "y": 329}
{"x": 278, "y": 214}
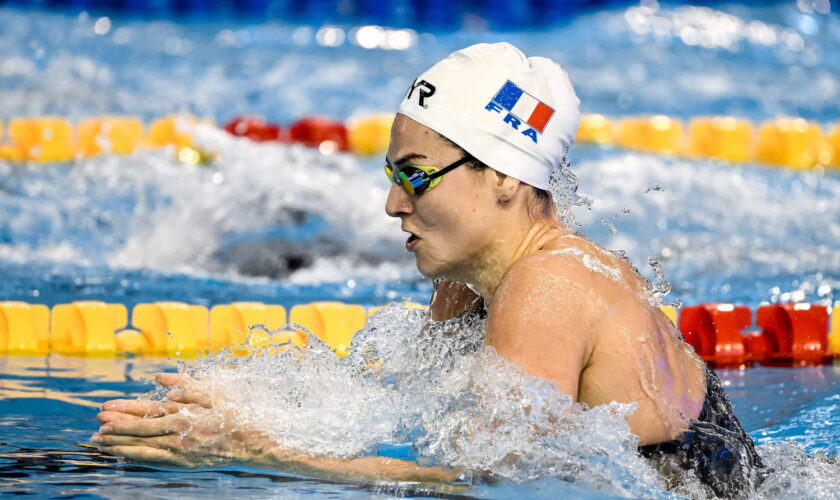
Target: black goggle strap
{"x": 450, "y": 167}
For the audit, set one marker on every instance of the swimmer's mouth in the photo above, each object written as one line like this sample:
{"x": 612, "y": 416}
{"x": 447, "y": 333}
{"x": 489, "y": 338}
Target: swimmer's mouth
{"x": 411, "y": 242}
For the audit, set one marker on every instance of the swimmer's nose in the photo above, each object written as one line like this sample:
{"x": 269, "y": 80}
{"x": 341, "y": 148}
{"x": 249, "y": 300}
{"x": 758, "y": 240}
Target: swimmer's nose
{"x": 398, "y": 203}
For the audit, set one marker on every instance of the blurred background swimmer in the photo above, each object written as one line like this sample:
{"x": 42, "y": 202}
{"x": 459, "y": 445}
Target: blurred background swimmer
{"x": 473, "y": 154}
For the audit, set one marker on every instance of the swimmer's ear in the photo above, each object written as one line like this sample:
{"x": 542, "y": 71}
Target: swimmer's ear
{"x": 506, "y": 187}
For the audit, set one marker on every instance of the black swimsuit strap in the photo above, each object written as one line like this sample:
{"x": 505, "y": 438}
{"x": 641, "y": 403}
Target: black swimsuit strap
{"x": 715, "y": 446}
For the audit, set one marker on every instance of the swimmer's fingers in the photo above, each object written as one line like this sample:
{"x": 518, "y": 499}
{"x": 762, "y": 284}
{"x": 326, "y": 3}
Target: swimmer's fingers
{"x": 146, "y": 427}
{"x": 105, "y": 417}
{"x": 170, "y": 443}
{"x": 146, "y": 454}
{"x": 173, "y": 379}
{"x": 142, "y": 408}
{"x": 184, "y": 389}
{"x": 123, "y": 440}
{"x": 191, "y": 396}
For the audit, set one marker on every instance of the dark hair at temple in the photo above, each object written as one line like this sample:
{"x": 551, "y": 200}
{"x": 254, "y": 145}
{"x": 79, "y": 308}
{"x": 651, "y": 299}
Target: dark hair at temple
{"x": 542, "y": 196}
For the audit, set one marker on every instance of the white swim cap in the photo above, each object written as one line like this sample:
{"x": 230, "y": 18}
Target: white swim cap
{"x": 516, "y": 114}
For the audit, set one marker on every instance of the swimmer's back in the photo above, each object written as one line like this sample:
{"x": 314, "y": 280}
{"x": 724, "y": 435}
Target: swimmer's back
{"x": 638, "y": 355}
{"x": 573, "y": 313}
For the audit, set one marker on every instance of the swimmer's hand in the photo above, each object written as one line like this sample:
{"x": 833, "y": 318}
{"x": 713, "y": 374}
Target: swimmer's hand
{"x": 187, "y": 431}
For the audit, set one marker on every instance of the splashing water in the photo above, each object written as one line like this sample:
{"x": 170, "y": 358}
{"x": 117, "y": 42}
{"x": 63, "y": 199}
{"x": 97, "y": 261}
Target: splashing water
{"x": 459, "y": 404}
{"x": 610, "y": 225}
{"x": 438, "y": 388}
{"x": 563, "y": 186}
{"x": 659, "y": 286}
{"x": 798, "y": 474}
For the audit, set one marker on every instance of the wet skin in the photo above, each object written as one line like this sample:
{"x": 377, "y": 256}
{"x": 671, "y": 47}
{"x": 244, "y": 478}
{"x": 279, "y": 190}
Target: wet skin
{"x": 189, "y": 431}
{"x": 558, "y": 305}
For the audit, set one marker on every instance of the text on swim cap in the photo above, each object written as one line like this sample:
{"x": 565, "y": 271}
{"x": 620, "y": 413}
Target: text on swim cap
{"x": 523, "y": 109}
{"x": 513, "y": 121}
{"x": 426, "y": 90}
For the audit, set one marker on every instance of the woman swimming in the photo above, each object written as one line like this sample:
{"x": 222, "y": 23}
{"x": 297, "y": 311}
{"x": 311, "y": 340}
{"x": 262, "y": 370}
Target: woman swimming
{"x": 473, "y": 148}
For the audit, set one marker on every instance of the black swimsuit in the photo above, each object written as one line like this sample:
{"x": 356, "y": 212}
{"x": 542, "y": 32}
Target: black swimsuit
{"x": 715, "y": 447}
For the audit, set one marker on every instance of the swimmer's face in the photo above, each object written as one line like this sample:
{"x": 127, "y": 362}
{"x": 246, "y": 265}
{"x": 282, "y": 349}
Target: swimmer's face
{"x": 449, "y": 226}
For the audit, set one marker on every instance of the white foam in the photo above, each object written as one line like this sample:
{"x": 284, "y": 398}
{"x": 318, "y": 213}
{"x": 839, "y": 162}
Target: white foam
{"x": 60, "y": 252}
{"x": 714, "y": 219}
{"x": 798, "y": 474}
{"x": 592, "y": 263}
{"x": 456, "y": 402}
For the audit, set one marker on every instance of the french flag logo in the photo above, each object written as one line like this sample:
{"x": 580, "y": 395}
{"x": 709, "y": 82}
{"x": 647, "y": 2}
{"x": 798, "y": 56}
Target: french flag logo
{"x": 524, "y": 106}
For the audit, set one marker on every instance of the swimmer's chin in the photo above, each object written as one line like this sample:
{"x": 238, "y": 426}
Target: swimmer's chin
{"x": 433, "y": 272}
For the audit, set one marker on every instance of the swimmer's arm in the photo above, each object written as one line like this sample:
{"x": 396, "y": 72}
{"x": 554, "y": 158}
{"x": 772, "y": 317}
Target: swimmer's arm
{"x": 187, "y": 431}
{"x": 353, "y": 469}
{"x": 451, "y": 299}
{"x": 542, "y": 317}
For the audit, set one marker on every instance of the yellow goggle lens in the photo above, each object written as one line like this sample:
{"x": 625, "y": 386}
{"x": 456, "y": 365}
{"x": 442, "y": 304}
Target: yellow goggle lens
{"x": 413, "y": 178}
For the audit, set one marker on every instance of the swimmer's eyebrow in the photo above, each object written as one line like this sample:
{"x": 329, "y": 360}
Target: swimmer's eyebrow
{"x": 402, "y": 160}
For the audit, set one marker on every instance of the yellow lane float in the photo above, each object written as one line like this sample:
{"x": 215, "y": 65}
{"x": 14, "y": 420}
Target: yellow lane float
{"x": 834, "y": 336}
{"x": 131, "y": 341}
{"x": 24, "y": 328}
{"x": 109, "y": 134}
{"x": 722, "y": 138}
{"x": 670, "y": 312}
{"x": 41, "y": 139}
{"x": 173, "y": 328}
{"x": 230, "y": 325}
{"x": 370, "y": 135}
{"x": 335, "y": 323}
{"x": 86, "y": 327}
{"x": 170, "y": 130}
{"x": 793, "y": 142}
{"x": 834, "y": 143}
{"x": 596, "y": 129}
{"x": 656, "y": 134}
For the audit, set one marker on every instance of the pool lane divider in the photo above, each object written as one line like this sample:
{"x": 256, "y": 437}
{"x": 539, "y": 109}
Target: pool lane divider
{"x": 791, "y": 142}
{"x": 724, "y": 335}
{"x": 789, "y": 334}
{"x": 92, "y": 328}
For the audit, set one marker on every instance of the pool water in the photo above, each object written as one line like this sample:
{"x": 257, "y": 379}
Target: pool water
{"x": 49, "y": 404}
{"x": 144, "y": 228}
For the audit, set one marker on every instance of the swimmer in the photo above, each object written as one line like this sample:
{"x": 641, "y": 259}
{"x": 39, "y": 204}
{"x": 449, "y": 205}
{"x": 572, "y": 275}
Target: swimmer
{"x": 473, "y": 147}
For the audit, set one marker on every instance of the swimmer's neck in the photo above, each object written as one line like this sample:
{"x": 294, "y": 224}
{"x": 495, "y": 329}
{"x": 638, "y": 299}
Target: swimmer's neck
{"x": 489, "y": 270}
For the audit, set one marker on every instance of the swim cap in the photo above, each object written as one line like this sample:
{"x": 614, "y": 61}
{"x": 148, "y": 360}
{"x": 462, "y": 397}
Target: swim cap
{"x": 516, "y": 114}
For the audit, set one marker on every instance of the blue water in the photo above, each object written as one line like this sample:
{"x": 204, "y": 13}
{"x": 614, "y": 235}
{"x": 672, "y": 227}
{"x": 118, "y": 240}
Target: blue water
{"x": 286, "y": 225}
{"x": 47, "y": 410}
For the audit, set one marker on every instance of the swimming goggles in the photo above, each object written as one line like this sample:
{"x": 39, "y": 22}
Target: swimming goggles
{"x": 417, "y": 179}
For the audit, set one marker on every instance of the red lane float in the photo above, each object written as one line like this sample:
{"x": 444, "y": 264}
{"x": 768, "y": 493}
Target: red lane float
{"x": 797, "y": 333}
{"x": 793, "y": 334}
{"x": 255, "y": 128}
{"x": 319, "y": 132}
{"x": 714, "y": 330}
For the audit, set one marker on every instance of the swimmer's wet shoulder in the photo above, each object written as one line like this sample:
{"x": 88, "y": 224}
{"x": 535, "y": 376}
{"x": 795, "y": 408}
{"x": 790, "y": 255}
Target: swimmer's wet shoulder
{"x": 539, "y": 318}
{"x": 575, "y": 314}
